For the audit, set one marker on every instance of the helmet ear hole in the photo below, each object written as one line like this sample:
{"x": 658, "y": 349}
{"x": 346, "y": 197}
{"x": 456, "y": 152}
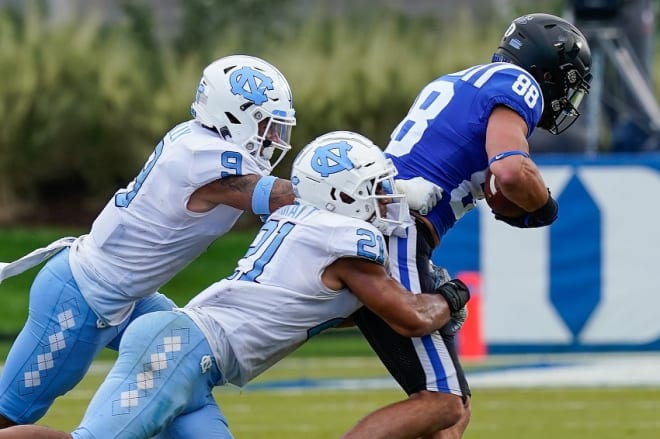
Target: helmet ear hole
{"x": 346, "y": 198}
{"x": 232, "y": 119}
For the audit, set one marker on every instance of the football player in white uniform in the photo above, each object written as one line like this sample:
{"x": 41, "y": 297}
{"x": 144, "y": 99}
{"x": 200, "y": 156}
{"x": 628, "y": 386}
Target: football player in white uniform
{"x": 201, "y": 176}
{"x": 309, "y": 268}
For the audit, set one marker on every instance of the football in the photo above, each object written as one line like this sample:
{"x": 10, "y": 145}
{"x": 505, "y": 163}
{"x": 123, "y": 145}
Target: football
{"x": 497, "y": 201}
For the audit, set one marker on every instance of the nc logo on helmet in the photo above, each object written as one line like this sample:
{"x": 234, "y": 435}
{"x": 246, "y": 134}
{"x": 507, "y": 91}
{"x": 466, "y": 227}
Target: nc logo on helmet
{"x": 201, "y": 95}
{"x": 332, "y": 158}
{"x": 250, "y": 84}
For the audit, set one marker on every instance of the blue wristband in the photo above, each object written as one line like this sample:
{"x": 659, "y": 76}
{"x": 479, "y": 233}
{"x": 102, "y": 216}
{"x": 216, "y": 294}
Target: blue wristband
{"x": 261, "y": 195}
{"x": 501, "y": 155}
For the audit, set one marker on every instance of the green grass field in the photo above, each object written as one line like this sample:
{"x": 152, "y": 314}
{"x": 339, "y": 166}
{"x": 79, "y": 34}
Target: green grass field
{"x": 610, "y": 413}
{"x": 532, "y": 413}
{"x": 218, "y": 261}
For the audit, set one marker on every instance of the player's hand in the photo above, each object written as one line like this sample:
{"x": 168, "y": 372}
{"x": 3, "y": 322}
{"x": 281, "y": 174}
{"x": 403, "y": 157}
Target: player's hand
{"x": 456, "y": 323}
{"x": 421, "y": 194}
{"x": 542, "y": 217}
{"x": 441, "y": 276}
{"x": 455, "y": 292}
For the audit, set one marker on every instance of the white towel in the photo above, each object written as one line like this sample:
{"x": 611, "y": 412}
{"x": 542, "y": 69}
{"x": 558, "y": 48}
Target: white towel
{"x": 34, "y": 258}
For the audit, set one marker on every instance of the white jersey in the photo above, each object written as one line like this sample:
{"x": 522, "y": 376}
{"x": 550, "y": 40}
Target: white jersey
{"x": 275, "y": 300}
{"x": 146, "y": 234}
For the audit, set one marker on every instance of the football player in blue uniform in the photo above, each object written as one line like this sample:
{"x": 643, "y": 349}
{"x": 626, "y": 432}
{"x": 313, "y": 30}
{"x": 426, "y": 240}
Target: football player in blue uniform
{"x": 460, "y": 125}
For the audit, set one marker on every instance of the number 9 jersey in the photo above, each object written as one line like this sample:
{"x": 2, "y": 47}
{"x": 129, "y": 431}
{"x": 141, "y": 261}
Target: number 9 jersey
{"x": 449, "y": 150}
{"x": 146, "y": 234}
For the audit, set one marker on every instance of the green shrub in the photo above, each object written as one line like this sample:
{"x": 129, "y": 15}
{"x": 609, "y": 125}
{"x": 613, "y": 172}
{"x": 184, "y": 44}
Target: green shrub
{"x": 83, "y": 104}
{"x": 76, "y": 113}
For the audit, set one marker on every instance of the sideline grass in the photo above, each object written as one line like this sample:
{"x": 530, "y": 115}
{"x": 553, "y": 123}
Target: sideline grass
{"x": 577, "y": 413}
{"x": 218, "y": 261}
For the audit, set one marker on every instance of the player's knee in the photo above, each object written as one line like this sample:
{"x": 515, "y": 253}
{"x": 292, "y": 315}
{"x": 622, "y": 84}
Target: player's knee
{"x": 455, "y": 411}
{"x": 5, "y": 423}
{"x": 447, "y": 409}
{"x": 467, "y": 412}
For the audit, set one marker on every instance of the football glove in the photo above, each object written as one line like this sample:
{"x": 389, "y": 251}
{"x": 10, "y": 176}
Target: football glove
{"x": 455, "y": 292}
{"x": 541, "y": 217}
{"x": 441, "y": 276}
{"x": 421, "y": 194}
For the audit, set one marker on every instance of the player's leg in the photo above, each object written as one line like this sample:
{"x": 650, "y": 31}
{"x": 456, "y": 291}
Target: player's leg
{"x": 455, "y": 431}
{"x": 165, "y": 368}
{"x": 407, "y": 418}
{"x": 32, "y": 432}
{"x": 53, "y": 350}
{"x": 427, "y": 368}
{"x": 207, "y": 422}
{"x": 151, "y": 303}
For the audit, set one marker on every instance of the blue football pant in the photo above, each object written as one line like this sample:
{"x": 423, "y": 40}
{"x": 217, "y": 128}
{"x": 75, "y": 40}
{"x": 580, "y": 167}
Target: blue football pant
{"x": 59, "y": 341}
{"x": 163, "y": 378}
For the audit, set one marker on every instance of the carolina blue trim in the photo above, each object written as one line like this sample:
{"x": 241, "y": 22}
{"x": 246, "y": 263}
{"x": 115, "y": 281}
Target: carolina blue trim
{"x": 502, "y": 155}
{"x": 261, "y": 195}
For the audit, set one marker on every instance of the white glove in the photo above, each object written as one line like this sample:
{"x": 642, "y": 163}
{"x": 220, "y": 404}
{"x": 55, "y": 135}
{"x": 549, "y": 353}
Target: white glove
{"x": 439, "y": 274}
{"x": 422, "y": 195}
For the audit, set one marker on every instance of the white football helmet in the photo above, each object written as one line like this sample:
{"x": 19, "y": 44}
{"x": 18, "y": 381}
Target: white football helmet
{"x": 247, "y": 101}
{"x": 345, "y": 173}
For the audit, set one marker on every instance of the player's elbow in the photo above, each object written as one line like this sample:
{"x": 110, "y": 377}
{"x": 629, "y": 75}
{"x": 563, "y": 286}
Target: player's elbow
{"x": 509, "y": 178}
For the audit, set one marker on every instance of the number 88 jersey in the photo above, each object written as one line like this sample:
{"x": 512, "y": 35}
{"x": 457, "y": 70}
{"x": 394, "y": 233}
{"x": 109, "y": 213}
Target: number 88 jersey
{"x": 443, "y": 136}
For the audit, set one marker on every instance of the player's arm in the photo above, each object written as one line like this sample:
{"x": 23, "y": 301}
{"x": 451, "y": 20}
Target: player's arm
{"x": 251, "y": 192}
{"x": 518, "y": 176}
{"x": 411, "y": 315}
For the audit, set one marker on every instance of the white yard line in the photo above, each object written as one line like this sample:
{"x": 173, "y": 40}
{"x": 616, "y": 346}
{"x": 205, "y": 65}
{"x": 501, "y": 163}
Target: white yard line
{"x": 618, "y": 370}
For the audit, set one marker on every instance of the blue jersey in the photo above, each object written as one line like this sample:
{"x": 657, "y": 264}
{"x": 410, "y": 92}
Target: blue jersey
{"x": 443, "y": 137}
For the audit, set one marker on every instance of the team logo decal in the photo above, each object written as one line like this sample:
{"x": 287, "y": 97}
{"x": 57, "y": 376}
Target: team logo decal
{"x": 332, "y": 158}
{"x": 201, "y": 96}
{"x": 515, "y": 43}
{"x": 525, "y": 19}
{"x": 250, "y": 84}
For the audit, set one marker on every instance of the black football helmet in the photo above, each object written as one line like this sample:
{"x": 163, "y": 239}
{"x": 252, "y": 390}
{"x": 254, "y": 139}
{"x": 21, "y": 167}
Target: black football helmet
{"x": 557, "y": 54}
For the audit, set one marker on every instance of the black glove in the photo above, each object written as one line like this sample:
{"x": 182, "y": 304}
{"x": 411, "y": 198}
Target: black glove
{"x": 455, "y": 292}
{"x": 542, "y": 217}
